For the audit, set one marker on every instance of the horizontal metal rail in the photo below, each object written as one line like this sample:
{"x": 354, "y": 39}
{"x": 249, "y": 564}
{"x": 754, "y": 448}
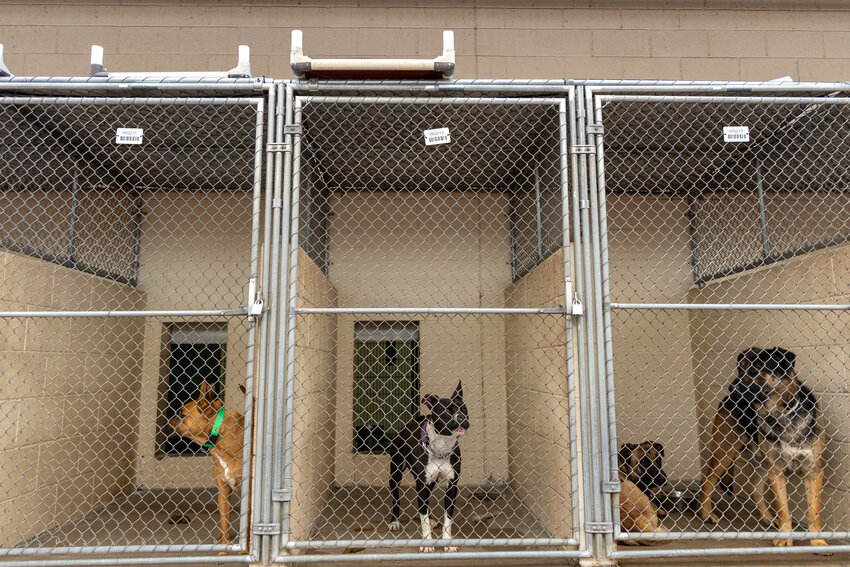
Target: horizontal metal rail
{"x": 429, "y": 542}
{"x": 197, "y": 313}
{"x": 134, "y": 101}
{"x": 736, "y": 306}
{"x": 440, "y": 555}
{"x": 667, "y": 536}
{"x": 432, "y": 310}
{"x": 101, "y": 549}
{"x": 701, "y": 99}
{"x": 430, "y": 100}
{"x": 109, "y": 561}
{"x": 714, "y": 552}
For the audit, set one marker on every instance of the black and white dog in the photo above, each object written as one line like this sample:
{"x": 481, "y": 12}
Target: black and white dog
{"x": 429, "y": 447}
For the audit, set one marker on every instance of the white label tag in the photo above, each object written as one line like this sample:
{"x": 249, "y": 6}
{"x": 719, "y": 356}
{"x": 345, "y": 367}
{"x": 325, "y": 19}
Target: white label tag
{"x": 437, "y": 136}
{"x": 736, "y": 133}
{"x": 129, "y": 135}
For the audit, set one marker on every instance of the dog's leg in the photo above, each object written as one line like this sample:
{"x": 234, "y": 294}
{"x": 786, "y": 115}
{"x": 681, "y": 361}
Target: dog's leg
{"x": 449, "y": 505}
{"x": 778, "y": 484}
{"x": 761, "y": 503}
{"x": 224, "y": 491}
{"x": 718, "y": 464}
{"x": 396, "y": 472}
{"x": 814, "y": 486}
{"x": 423, "y": 495}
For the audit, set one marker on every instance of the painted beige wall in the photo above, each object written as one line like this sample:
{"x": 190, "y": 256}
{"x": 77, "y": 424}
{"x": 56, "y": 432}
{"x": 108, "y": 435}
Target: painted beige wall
{"x": 663, "y": 39}
{"x": 819, "y": 339}
{"x": 195, "y": 254}
{"x": 655, "y": 392}
{"x": 68, "y": 396}
{"x": 438, "y": 249}
{"x": 537, "y": 398}
{"x": 315, "y": 398}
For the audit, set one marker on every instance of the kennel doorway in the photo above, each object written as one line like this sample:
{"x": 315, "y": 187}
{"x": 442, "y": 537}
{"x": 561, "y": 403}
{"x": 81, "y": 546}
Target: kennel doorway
{"x": 727, "y": 226}
{"x": 125, "y": 258}
{"x": 447, "y": 252}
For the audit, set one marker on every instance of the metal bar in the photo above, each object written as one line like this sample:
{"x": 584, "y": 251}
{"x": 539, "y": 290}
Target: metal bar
{"x": 575, "y": 477}
{"x": 765, "y": 243}
{"x": 433, "y": 310}
{"x": 72, "y": 221}
{"x": 259, "y": 500}
{"x": 137, "y": 238}
{"x": 702, "y": 99}
{"x": 104, "y": 549}
{"x": 289, "y": 388}
{"x": 606, "y": 394}
{"x": 188, "y": 313}
{"x": 715, "y": 552}
{"x": 282, "y": 173}
{"x": 430, "y": 101}
{"x": 456, "y": 556}
{"x": 625, "y": 536}
{"x": 736, "y": 306}
{"x": 108, "y": 561}
{"x": 582, "y": 451}
{"x": 371, "y": 543}
{"x": 691, "y": 215}
{"x": 131, "y": 101}
{"x": 598, "y": 183}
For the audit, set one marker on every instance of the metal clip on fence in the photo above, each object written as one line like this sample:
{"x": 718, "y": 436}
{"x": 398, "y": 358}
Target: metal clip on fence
{"x": 241, "y": 71}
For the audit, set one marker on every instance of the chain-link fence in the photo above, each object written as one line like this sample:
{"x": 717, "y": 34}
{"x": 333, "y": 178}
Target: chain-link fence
{"x": 426, "y": 265}
{"x": 124, "y": 263}
{"x": 726, "y": 224}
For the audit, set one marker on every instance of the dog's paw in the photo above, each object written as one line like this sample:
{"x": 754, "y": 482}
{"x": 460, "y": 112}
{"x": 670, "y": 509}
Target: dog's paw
{"x": 818, "y": 542}
{"x": 426, "y": 550}
{"x": 709, "y": 518}
{"x": 451, "y": 549}
{"x": 395, "y": 526}
{"x": 661, "y": 512}
{"x": 782, "y": 543}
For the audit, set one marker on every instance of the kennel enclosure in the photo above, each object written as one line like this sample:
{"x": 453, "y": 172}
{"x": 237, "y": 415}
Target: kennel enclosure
{"x": 586, "y": 258}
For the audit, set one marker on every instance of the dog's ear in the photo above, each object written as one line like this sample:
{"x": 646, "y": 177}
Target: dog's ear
{"x": 207, "y": 394}
{"x": 430, "y": 400}
{"x": 625, "y": 453}
{"x": 659, "y": 448}
{"x": 458, "y": 395}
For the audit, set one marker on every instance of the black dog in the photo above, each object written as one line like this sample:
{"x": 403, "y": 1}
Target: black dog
{"x": 429, "y": 447}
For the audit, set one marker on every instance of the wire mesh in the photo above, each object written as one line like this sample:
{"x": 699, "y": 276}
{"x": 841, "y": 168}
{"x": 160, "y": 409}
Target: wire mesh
{"x": 744, "y": 402}
{"x": 388, "y": 222}
{"x": 91, "y": 454}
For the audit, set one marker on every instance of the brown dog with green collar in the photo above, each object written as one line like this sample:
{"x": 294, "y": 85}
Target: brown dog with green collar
{"x": 205, "y": 422}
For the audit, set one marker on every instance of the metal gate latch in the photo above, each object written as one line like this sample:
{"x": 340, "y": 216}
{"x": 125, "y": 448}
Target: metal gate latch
{"x": 255, "y": 308}
{"x": 577, "y": 307}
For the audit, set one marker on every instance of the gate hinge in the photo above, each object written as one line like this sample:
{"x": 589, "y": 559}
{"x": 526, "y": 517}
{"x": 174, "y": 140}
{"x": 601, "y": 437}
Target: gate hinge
{"x": 294, "y": 129}
{"x": 278, "y": 147}
{"x": 266, "y": 529}
{"x": 584, "y": 149}
{"x": 282, "y": 495}
{"x": 595, "y": 129}
{"x": 599, "y": 527}
{"x": 611, "y": 486}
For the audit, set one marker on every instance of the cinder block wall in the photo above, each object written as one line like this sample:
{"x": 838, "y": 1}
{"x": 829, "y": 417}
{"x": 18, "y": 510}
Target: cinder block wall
{"x": 819, "y": 338}
{"x": 537, "y": 398}
{"x": 666, "y": 39}
{"x": 315, "y": 399}
{"x": 69, "y": 399}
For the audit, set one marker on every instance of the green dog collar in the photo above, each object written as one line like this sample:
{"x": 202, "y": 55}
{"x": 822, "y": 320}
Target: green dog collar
{"x": 213, "y": 436}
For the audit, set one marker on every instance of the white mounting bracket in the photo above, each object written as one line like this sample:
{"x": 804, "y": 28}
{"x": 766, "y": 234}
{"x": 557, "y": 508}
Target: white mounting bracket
{"x": 4, "y": 71}
{"x": 242, "y": 69}
{"x": 440, "y": 67}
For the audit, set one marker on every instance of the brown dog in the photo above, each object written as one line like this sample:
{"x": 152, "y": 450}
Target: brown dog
{"x": 196, "y": 422}
{"x": 791, "y": 439}
{"x": 735, "y": 428}
{"x": 638, "y": 513}
{"x": 641, "y": 464}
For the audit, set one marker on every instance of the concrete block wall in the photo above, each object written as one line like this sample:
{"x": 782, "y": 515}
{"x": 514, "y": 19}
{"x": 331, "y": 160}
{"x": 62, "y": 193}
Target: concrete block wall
{"x": 69, "y": 400}
{"x": 612, "y": 39}
{"x": 539, "y": 464}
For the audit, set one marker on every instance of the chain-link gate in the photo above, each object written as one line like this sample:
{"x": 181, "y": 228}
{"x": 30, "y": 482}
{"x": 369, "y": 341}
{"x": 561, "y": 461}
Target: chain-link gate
{"x": 125, "y": 259}
{"x": 724, "y": 222}
{"x": 427, "y": 278}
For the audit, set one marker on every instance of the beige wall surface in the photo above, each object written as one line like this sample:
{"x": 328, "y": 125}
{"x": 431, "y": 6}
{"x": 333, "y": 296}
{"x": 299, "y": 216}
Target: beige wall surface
{"x": 819, "y": 339}
{"x": 427, "y": 249}
{"x": 612, "y": 39}
{"x": 540, "y": 466}
{"x": 69, "y": 400}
